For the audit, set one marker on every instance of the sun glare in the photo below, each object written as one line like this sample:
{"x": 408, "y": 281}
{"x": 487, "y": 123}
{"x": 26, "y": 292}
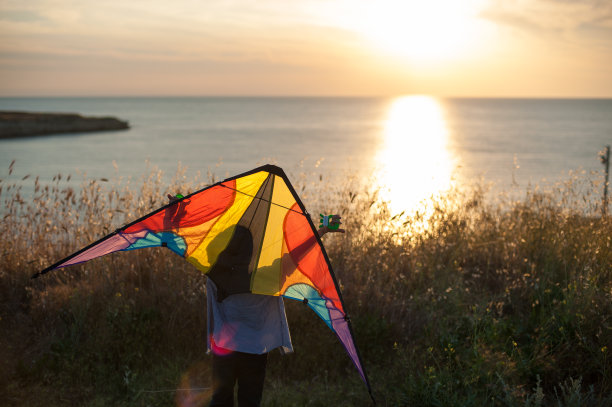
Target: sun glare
{"x": 420, "y": 31}
{"x": 415, "y": 161}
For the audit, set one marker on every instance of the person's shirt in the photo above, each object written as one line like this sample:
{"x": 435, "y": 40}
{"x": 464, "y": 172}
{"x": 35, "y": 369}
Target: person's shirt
{"x": 248, "y": 323}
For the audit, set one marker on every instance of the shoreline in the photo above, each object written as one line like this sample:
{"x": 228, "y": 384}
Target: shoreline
{"x": 15, "y": 124}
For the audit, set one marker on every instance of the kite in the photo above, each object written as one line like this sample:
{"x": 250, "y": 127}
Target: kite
{"x": 284, "y": 255}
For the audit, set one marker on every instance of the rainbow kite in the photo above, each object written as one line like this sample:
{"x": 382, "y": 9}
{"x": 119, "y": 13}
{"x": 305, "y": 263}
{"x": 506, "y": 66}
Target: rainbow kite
{"x": 209, "y": 228}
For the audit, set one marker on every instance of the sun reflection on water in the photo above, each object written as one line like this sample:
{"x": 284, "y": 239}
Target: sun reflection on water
{"x": 415, "y": 162}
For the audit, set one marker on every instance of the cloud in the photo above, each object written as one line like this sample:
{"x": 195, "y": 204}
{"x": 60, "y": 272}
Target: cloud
{"x": 551, "y": 15}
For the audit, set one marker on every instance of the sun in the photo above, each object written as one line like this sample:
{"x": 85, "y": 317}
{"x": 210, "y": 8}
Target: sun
{"x": 422, "y": 30}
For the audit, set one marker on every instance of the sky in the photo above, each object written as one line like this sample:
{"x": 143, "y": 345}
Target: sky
{"x": 449, "y": 48}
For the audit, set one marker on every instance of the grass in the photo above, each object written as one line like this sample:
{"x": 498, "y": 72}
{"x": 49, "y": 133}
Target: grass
{"x": 473, "y": 301}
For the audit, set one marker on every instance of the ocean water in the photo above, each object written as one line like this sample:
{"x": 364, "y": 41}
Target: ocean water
{"x": 412, "y": 146}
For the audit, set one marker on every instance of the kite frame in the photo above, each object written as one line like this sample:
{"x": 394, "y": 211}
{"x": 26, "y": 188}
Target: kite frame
{"x": 272, "y": 169}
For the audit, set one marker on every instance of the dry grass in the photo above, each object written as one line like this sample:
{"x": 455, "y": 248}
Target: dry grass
{"x": 471, "y": 301}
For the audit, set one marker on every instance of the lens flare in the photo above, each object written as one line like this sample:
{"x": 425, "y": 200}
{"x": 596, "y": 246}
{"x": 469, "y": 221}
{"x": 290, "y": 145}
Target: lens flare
{"x": 194, "y": 389}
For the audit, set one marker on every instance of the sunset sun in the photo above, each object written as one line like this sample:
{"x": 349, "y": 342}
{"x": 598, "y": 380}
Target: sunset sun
{"x": 420, "y": 31}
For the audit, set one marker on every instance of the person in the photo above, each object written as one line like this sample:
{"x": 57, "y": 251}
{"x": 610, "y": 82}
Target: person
{"x": 242, "y": 328}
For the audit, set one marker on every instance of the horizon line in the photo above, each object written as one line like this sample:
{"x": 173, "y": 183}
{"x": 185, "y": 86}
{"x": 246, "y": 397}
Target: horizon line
{"x": 217, "y": 96}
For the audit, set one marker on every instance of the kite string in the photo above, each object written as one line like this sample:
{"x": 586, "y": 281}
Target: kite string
{"x": 173, "y": 390}
{"x": 265, "y": 200}
{"x": 274, "y": 242}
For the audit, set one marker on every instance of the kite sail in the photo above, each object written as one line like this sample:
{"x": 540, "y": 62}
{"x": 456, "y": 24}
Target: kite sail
{"x": 208, "y": 228}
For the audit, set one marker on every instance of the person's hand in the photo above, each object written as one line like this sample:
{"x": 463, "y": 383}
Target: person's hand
{"x": 335, "y": 220}
{"x": 172, "y": 198}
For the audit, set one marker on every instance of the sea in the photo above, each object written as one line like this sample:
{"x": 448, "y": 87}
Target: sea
{"x": 411, "y": 147}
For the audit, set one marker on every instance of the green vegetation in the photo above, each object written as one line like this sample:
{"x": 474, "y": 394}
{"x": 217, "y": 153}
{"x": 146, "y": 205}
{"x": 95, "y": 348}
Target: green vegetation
{"x": 468, "y": 302}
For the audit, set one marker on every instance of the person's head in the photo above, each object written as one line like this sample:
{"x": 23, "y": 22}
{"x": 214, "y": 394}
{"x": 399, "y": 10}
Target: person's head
{"x": 238, "y": 250}
{"x": 230, "y": 270}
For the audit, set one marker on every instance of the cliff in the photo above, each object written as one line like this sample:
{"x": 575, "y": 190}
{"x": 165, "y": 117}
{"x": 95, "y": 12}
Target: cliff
{"x": 19, "y": 124}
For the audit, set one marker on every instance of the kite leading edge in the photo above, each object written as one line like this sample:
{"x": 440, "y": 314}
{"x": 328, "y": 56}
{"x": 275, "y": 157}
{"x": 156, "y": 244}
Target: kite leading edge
{"x": 287, "y": 257}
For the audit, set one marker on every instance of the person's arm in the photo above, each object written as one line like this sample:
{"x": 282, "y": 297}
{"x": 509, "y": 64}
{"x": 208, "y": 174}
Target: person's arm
{"x": 300, "y": 251}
